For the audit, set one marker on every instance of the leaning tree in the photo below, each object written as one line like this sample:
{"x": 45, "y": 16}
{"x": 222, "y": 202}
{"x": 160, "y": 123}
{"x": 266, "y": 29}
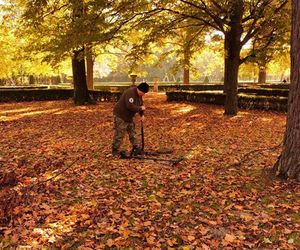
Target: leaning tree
{"x": 288, "y": 163}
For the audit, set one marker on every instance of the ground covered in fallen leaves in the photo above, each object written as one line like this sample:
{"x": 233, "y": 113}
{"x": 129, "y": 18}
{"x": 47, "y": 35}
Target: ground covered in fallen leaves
{"x": 61, "y": 188}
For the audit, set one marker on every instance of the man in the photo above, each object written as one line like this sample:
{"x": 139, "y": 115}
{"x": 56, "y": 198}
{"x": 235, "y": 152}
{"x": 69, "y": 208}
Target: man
{"x": 130, "y": 103}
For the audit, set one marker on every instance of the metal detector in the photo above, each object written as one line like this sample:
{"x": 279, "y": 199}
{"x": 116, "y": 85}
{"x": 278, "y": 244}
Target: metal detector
{"x": 152, "y": 155}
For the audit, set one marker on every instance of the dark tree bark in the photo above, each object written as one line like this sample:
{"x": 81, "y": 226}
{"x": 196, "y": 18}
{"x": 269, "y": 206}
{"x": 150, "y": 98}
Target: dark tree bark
{"x": 232, "y": 57}
{"x": 31, "y": 80}
{"x": 89, "y": 68}
{"x": 288, "y": 163}
{"x": 186, "y": 76}
{"x": 187, "y": 60}
{"x": 79, "y": 78}
{"x": 81, "y": 96}
{"x": 262, "y": 74}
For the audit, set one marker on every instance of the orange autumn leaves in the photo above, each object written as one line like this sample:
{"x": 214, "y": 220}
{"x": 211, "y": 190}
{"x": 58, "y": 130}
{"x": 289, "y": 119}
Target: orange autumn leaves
{"x": 218, "y": 197}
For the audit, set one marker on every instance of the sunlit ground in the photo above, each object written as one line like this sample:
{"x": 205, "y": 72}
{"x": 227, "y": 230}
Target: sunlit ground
{"x": 71, "y": 194}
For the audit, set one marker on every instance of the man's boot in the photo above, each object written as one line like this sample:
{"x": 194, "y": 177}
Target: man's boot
{"x": 123, "y": 155}
{"x": 115, "y": 152}
{"x": 136, "y": 151}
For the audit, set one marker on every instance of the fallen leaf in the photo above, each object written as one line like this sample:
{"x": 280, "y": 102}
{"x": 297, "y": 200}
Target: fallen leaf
{"x": 230, "y": 238}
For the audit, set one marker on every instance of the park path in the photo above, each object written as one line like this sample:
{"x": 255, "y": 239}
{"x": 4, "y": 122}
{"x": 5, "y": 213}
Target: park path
{"x": 80, "y": 196}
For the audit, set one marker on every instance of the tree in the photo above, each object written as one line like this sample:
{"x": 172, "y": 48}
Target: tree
{"x": 271, "y": 44}
{"x": 78, "y": 59}
{"x": 16, "y": 62}
{"x": 239, "y": 21}
{"x": 175, "y": 37}
{"x": 280, "y": 66}
{"x": 190, "y": 40}
{"x": 7, "y": 62}
{"x": 288, "y": 164}
{"x": 63, "y": 28}
{"x": 90, "y": 58}
{"x": 209, "y": 61}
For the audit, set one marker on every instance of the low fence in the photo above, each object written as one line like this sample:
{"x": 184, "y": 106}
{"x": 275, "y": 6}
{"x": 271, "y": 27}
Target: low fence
{"x": 246, "y": 101}
{"x": 22, "y": 95}
{"x": 163, "y": 87}
{"x": 105, "y": 96}
{"x": 249, "y": 97}
{"x": 264, "y": 91}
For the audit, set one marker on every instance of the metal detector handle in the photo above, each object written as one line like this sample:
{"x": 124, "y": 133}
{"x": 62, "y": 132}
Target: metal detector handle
{"x": 142, "y": 112}
{"x": 142, "y": 133}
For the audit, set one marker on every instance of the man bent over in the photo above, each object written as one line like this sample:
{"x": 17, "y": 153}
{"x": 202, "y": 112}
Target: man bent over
{"x": 130, "y": 103}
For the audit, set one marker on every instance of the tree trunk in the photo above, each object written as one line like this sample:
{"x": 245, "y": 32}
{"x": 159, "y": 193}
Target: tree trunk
{"x": 262, "y": 74}
{"x": 89, "y": 68}
{"x": 79, "y": 78}
{"x": 288, "y": 164}
{"x": 31, "y": 80}
{"x": 186, "y": 76}
{"x": 232, "y": 57}
{"x": 187, "y": 63}
{"x": 78, "y": 63}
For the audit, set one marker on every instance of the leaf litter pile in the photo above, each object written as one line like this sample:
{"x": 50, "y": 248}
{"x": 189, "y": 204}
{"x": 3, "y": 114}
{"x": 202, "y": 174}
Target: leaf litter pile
{"x": 61, "y": 189}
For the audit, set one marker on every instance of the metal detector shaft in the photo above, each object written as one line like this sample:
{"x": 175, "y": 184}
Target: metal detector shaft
{"x": 142, "y": 133}
{"x": 171, "y": 161}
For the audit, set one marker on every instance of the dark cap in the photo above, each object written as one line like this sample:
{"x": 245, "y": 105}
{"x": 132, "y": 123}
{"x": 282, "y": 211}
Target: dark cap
{"x": 144, "y": 87}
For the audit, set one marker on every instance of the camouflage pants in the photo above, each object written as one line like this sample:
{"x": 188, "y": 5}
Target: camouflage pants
{"x": 121, "y": 127}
